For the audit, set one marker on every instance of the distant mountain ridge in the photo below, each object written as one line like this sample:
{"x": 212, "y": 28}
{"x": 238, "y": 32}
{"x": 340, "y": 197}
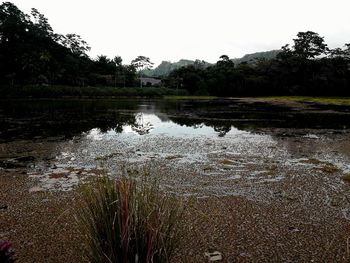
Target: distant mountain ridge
{"x": 164, "y": 68}
{"x": 251, "y": 58}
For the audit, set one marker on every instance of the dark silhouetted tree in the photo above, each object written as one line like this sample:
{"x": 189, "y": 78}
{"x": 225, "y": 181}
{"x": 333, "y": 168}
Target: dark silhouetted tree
{"x": 141, "y": 63}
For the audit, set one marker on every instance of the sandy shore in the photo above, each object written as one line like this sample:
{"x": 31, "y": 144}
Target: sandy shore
{"x": 41, "y": 227}
{"x": 271, "y": 195}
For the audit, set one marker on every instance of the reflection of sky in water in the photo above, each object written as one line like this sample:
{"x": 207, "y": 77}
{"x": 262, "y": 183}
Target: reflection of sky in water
{"x": 152, "y": 124}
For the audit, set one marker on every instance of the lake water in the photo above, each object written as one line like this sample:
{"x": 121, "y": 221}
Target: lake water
{"x": 28, "y": 119}
{"x": 214, "y": 147}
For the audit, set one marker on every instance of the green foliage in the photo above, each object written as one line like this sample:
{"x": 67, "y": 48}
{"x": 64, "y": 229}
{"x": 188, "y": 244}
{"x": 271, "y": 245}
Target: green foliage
{"x": 73, "y": 91}
{"x": 305, "y": 69}
{"x": 75, "y": 43}
{"x": 174, "y": 97}
{"x": 320, "y": 100}
{"x": 129, "y": 220}
{"x": 142, "y": 62}
{"x": 309, "y": 45}
{"x": 31, "y": 53}
{"x": 166, "y": 67}
{"x": 255, "y": 57}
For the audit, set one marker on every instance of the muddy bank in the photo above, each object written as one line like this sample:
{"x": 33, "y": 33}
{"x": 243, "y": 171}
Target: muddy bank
{"x": 271, "y": 189}
{"x": 41, "y": 227}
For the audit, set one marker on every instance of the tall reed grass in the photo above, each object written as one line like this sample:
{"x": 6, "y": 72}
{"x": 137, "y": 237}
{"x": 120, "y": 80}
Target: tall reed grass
{"x": 129, "y": 220}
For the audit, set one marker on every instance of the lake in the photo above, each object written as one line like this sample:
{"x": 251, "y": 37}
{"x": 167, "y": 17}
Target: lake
{"x": 196, "y": 147}
{"x": 264, "y": 178}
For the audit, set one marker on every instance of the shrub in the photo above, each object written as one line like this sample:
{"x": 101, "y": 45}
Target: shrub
{"x": 129, "y": 221}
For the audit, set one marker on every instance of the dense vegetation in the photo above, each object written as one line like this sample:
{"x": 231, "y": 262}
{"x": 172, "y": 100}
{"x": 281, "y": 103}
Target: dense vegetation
{"x": 166, "y": 67}
{"x": 254, "y": 57}
{"x": 309, "y": 67}
{"x": 32, "y": 55}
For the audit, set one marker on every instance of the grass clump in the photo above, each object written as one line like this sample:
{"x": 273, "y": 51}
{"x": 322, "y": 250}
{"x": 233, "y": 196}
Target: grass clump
{"x": 58, "y": 91}
{"x": 343, "y": 101}
{"x": 189, "y": 97}
{"x": 129, "y": 220}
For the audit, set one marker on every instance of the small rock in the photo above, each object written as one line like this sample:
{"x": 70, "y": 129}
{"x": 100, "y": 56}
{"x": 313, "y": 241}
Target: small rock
{"x": 293, "y": 229}
{"x": 311, "y": 136}
{"x": 214, "y": 256}
{"x": 278, "y": 194}
{"x": 35, "y": 189}
{"x": 3, "y": 207}
{"x": 25, "y": 159}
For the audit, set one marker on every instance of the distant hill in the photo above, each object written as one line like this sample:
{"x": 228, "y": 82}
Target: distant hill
{"x": 164, "y": 68}
{"x": 251, "y": 58}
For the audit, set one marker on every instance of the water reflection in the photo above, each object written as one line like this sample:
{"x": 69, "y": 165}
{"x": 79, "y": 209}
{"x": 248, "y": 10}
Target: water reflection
{"x": 29, "y": 119}
{"x": 147, "y": 123}
{"x": 142, "y": 124}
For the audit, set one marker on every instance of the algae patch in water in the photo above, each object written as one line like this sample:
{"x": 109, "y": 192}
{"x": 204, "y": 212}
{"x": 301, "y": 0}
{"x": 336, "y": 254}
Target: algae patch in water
{"x": 323, "y": 166}
{"x": 329, "y": 168}
{"x": 346, "y": 178}
{"x": 311, "y": 161}
{"x": 226, "y": 162}
{"x": 173, "y": 157}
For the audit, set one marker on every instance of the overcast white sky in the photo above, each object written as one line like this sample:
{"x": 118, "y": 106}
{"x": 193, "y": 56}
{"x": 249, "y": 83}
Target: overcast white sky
{"x": 191, "y": 29}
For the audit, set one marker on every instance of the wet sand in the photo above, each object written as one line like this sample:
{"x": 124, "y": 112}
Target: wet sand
{"x": 42, "y": 228}
{"x": 272, "y": 195}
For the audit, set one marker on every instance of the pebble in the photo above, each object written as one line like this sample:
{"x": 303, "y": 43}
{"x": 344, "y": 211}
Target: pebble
{"x": 214, "y": 256}
{"x": 3, "y": 207}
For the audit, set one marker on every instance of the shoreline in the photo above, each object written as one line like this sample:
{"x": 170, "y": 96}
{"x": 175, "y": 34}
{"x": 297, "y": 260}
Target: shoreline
{"x": 42, "y": 229}
{"x": 262, "y": 196}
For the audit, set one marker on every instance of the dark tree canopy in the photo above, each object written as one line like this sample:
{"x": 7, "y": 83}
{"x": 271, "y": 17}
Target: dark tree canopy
{"x": 32, "y": 54}
{"x": 142, "y": 62}
{"x": 75, "y": 44}
{"x": 309, "y": 45}
{"x": 306, "y": 68}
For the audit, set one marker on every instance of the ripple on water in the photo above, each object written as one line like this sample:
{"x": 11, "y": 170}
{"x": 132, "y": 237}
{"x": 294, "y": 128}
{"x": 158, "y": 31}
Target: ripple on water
{"x": 189, "y": 160}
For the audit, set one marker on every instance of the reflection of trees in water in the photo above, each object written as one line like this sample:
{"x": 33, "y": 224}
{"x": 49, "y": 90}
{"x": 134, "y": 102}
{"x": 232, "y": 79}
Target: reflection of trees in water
{"x": 220, "y": 126}
{"x": 63, "y": 118}
{"x": 120, "y": 120}
{"x": 141, "y": 126}
{"x": 222, "y": 130}
{"x": 68, "y": 118}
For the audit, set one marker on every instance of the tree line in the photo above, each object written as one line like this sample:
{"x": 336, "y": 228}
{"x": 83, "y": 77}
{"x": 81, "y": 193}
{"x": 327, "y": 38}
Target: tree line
{"x": 31, "y": 53}
{"x": 308, "y": 67}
